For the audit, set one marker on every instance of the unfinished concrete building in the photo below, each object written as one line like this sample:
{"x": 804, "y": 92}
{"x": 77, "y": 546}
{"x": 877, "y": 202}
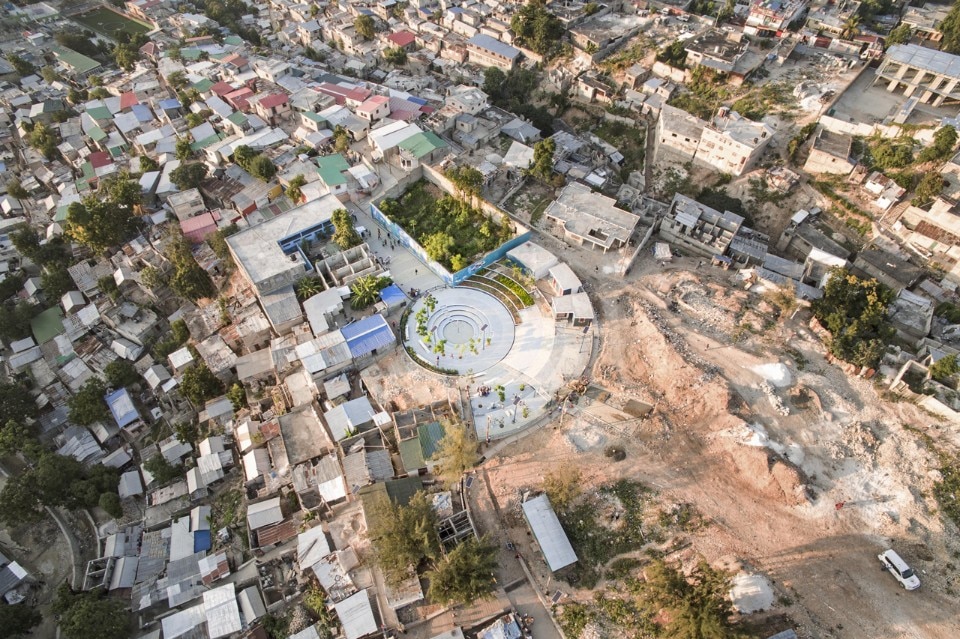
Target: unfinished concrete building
{"x": 929, "y": 74}
{"x": 346, "y": 266}
{"x": 699, "y": 228}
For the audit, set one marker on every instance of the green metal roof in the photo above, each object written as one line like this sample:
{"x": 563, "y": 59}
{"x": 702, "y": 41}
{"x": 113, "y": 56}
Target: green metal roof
{"x": 233, "y": 40}
{"x": 203, "y": 85}
{"x": 410, "y": 455}
{"x": 312, "y": 115}
{"x": 96, "y": 134}
{"x": 331, "y": 168}
{"x": 205, "y": 142}
{"x": 422, "y": 143}
{"x": 47, "y": 325}
{"x": 190, "y": 53}
{"x": 430, "y": 434}
{"x": 61, "y": 215}
{"x": 100, "y": 113}
{"x": 399, "y": 491}
{"x": 76, "y": 61}
{"x": 87, "y": 171}
{"x": 237, "y": 117}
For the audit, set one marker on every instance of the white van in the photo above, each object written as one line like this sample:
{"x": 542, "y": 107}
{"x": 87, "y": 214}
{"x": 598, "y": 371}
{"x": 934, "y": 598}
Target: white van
{"x": 891, "y": 561}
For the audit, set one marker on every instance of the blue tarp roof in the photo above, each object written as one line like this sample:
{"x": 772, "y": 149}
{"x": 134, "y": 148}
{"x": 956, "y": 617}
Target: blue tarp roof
{"x": 169, "y": 104}
{"x": 416, "y": 100}
{"x": 392, "y": 295}
{"x": 367, "y": 335}
{"x": 201, "y": 540}
{"x": 122, "y": 408}
{"x": 143, "y": 112}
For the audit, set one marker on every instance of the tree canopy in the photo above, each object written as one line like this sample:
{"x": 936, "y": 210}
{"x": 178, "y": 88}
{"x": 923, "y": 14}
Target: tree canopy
{"x": 403, "y": 536}
{"x": 54, "y": 481}
{"x": 467, "y": 179}
{"x": 200, "y": 384}
{"x": 91, "y": 614}
{"x": 345, "y": 234}
{"x": 106, "y": 218}
{"x": 365, "y": 26}
{"x": 854, "y": 311}
{"x": 15, "y": 402}
{"x": 543, "y": 152}
{"x": 465, "y": 574}
{"x": 17, "y": 620}
{"x": 942, "y": 146}
{"x": 457, "y": 452}
{"x": 536, "y": 28}
{"x": 189, "y": 280}
{"x": 21, "y": 66}
{"x": 950, "y": 28}
{"x": 87, "y": 405}
{"x": 189, "y": 175}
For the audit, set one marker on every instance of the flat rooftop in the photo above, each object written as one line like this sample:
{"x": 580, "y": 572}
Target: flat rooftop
{"x": 927, "y": 59}
{"x": 587, "y": 214}
{"x": 258, "y": 248}
{"x": 836, "y": 144}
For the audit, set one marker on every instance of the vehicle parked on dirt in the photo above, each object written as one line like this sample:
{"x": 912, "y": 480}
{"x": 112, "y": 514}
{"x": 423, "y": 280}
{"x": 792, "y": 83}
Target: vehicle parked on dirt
{"x": 896, "y": 566}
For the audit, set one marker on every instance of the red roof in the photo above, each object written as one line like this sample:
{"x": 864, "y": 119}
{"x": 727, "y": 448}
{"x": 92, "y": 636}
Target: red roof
{"x": 99, "y": 159}
{"x": 239, "y": 98}
{"x": 273, "y": 100}
{"x": 221, "y": 89}
{"x": 128, "y": 99}
{"x": 197, "y": 228}
{"x": 401, "y": 38}
{"x": 236, "y": 60}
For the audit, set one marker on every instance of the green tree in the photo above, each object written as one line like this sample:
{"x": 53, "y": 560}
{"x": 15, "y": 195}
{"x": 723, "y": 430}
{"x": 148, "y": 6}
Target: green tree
{"x": 694, "y": 606}
{"x": 344, "y": 233}
{"x": 49, "y": 74}
{"x": 950, "y": 28}
{"x": 237, "y": 396}
{"x": 56, "y": 281}
{"x": 178, "y": 81}
{"x": 341, "y": 139}
{"x": 16, "y": 402}
{"x": 365, "y": 290}
{"x": 262, "y": 168}
{"x": 854, "y": 311}
{"x": 200, "y": 384}
{"x": 20, "y": 500}
{"x": 183, "y": 149}
{"x": 900, "y": 35}
{"x": 148, "y": 164}
{"x": 465, "y": 574}
{"x": 493, "y": 81}
{"x": 395, "y": 55}
{"x": 929, "y": 187}
{"x": 468, "y": 180}
{"x": 43, "y": 139}
{"x": 543, "y": 152}
{"x": 163, "y": 471}
{"x": 365, "y": 26}
{"x": 563, "y": 486}
{"x": 536, "y": 28}
{"x": 15, "y": 189}
{"x": 438, "y": 246}
{"x": 403, "y": 536}
{"x": 942, "y": 146}
{"x": 110, "y": 503}
{"x": 15, "y": 319}
{"x": 944, "y": 368}
{"x": 88, "y": 405}
{"x": 457, "y": 452}
{"x": 674, "y": 55}
{"x": 91, "y": 614}
{"x": 17, "y": 620}
{"x": 891, "y": 154}
{"x": 308, "y": 287}
{"x": 850, "y": 28}
{"x": 189, "y": 175}
{"x": 76, "y": 96}
{"x": 126, "y": 56}
{"x": 293, "y": 189}
{"x": 17, "y": 436}
{"x": 120, "y": 373}
{"x": 21, "y": 66}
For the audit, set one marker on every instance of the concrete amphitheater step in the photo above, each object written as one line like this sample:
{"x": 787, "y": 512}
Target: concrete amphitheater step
{"x": 491, "y": 290}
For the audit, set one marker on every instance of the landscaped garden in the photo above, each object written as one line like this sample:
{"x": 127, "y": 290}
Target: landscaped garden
{"x": 451, "y": 231}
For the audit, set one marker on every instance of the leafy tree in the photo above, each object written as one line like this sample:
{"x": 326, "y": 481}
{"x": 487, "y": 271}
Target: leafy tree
{"x": 17, "y": 436}
{"x": 403, "y": 536}
{"x": 183, "y": 149}
{"x": 950, "y": 28}
{"x": 784, "y": 298}
{"x": 49, "y": 74}
{"x": 163, "y": 471}
{"x": 536, "y": 28}
{"x": 543, "y": 152}
{"x": 76, "y": 96}
{"x": 563, "y": 486}
{"x": 854, "y": 311}
{"x": 929, "y": 187}
{"x": 293, "y": 189}
{"x": 178, "y": 81}
{"x": 439, "y": 246}
{"x": 110, "y": 502}
{"x": 15, "y": 189}
{"x": 465, "y": 574}
{"x": 457, "y": 452}
{"x": 15, "y": 319}
{"x": 395, "y": 55}
{"x": 942, "y": 146}
{"x": 590, "y": 8}
{"x": 126, "y": 56}
{"x": 17, "y": 620}
{"x": 468, "y": 180}
{"x": 153, "y": 278}
{"x": 900, "y": 35}
{"x": 43, "y": 139}
{"x": 365, "y": 290}
{"x": 674, "y": 55}
{"x": 689, "y": 607}
{"x": 120, "y": 373}
{"x": 493, "y": 80}
{"x": 91, "y": 614}
{"x": 99, "y": 223}
{"x": 365, "y": 26}
{"x": 148, "y": 164}
{"x": 19, "y": 500}
{"x": 341, "y": 139}
{"x": 56, "y": 281}
{"x": 16, "y": 403}
{"x": 262, "y": 168}
{"x": 308, "y": 287}
{"x": 189, "y": 176}
{"x": 891, "y": 154}
{"x": 88, "y": 406}
{"x": 344, "y": 234}
{"x": 237, "y": 396}
{"x": 81, "y": 42}
{"x": 850, "y": 28}
{"x": 944, "y": 368}
{"x": 200, "y": 384}
{"x": 21, "y": 66}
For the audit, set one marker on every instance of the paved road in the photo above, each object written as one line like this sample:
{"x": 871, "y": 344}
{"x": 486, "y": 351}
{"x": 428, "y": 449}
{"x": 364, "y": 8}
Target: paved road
{"x": 525, "y": 600}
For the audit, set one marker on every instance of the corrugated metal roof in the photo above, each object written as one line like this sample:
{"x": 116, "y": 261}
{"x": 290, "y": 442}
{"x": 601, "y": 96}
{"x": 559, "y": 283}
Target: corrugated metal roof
{"x": 430, "y": 435}
{"x": 549, "y": 533}
{"x": 367, "y": 335}
{"x": 356, "y": 616}
{"x": 264, "y": 513}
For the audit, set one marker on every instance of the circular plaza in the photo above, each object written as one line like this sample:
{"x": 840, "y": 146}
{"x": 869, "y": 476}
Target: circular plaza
{"x": 459, "y": 330}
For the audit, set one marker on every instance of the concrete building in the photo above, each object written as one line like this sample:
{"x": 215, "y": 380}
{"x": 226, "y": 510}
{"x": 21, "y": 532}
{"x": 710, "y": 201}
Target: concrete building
{"x": 715, "y": 50}
{"x": 270, "y": 255}
{"x": 925, "y": 21}
{"x": 732, "y": 143}
{"x": 770, "y": 17}
{"x": 486, "y": 51}
{"x": 929, "y": 74}
{"x": 591, "y": 219}
{"x": 679, "y": 131}
{"x": 698, "y": 228}
{"x": 830, "y": 153}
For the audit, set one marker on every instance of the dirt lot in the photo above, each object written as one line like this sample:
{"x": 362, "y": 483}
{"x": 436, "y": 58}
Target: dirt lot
{"x": 764, "y": 439}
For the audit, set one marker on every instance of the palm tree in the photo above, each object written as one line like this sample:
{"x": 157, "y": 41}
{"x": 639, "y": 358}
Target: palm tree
{"x": 308, "y": 287}
{"x": 851, "y": 28}
{"x": 365, "y": 291}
